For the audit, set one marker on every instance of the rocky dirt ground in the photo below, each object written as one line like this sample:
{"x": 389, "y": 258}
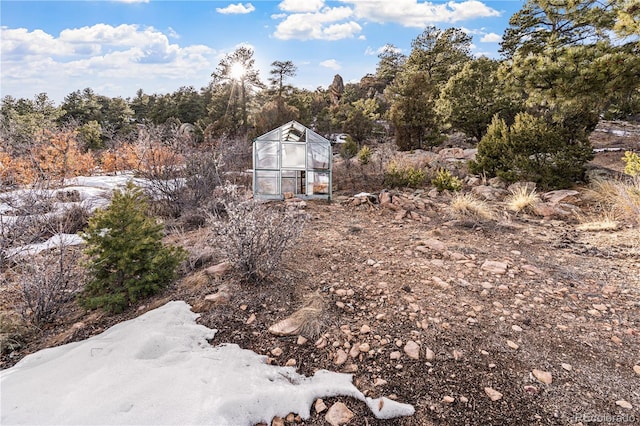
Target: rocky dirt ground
{"x": 520, "y": 320}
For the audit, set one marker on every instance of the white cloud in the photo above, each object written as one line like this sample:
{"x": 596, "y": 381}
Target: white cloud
{"x": 327, "y": 24}
{"x": 311, "y": 20}
{"x": 331, "y": 63}
{"x": 93, "y": 56}
{"x": 236, "y": 9}
{"x": 412, "y": 13}
{"x": 173, "y": 33}
{"x": 301, "y": 6}
{"x": 371, "y": 52}
{"x": 491, "y": 38}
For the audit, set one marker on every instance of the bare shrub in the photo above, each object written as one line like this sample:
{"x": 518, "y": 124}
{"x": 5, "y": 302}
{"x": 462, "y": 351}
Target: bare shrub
{"x": 181, "y": 179}
{"x": 47, "y": 282}
{"x": 237, "y": 157}
{"x": 26, "y": 220}
{"x": 356, "y": 176}
{"x": 72, "y": 219}
{"x": 31, "y": 219}
{"x": 255, "y": 236}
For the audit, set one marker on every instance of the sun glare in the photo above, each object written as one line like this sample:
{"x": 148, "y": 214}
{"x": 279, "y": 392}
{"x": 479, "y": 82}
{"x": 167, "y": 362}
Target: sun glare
{"x": 237, "y": 71}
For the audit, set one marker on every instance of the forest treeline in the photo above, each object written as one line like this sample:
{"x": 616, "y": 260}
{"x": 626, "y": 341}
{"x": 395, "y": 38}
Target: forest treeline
{"x": 564, "y": 65}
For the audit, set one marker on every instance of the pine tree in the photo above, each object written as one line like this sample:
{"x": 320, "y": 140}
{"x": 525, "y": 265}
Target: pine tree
{"x": 127, "y": 260}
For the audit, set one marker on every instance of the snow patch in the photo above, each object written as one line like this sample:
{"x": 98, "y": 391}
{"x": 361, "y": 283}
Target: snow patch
{"x": 159, "y": 368}
{"x": 57, "y": 240}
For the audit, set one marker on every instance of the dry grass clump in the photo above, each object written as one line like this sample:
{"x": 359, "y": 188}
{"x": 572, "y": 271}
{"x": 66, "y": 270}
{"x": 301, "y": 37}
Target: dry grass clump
{"x": 306, "y": 321}
{"x": 621, "y": 196}
{"x": 522, "y": 199}
{"x": 466, "y": 206}
{"x": 606, "y": 222}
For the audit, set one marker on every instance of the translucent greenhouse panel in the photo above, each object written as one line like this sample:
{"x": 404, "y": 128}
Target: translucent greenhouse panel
{"x": 317, "y": 183}
{"x": 273, "y": 136}
{"x": 314, "y": 137}
{"x": 266, "y": 155}
{"x": 289, "y": 182}
{"x": 293, "y": 132}
{"x": 293, "y": 155}
{"x": 318, "y": 156}
{"x": 266, "y": 182}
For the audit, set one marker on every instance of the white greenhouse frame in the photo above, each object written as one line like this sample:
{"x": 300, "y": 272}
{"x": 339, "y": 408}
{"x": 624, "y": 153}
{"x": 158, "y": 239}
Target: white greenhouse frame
{"x": 292, "y": 159}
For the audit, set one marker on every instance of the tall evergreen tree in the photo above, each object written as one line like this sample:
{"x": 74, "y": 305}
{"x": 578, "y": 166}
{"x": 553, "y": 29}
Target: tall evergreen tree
{"x": 473, "y": 96}
{"x": 238, "y": 70}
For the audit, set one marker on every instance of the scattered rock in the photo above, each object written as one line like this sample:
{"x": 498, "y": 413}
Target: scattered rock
{"x": 277, "y": 421}
{"x": 429, "y": 354}
{"x": 340, "y": 357}
{"x": 221, "y": 297}
{"x": 395, "y": 355}
{"x": 494, "y": 267}
{"x": 516, "y": 328}
{"x": 301, "y": 340}
{"x": 566, "y": 366}
{"x": 489, "y": 193}
{"x": 412, "y": 349}
{"x": 624, "y": 404}
{"x": 354, "y": 351}
{"x": 636, "y": 368}
{"x": 251, "y": 318}
{"x": 379, "y": 382}
{"x": 562, "y": 195}
{"x": 338, "y": 414}
{"x": 365, "y": 329}
{"x": 543, "y": 376}
{"x": 276, "y": 352}
{"x": 493, "y": 394}
{"x": 512, "y": 344}
{"x": 551, "y": 210}
{"x": 448, "y": 399}
{"x": 434, "y": 245}
{"x": 291, "y": 362}
{"x": 218, "y": 270}
{"x": 319, "y": 405}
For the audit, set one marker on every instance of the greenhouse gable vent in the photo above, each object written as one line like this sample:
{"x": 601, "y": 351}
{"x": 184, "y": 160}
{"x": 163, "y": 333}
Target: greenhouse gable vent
{"x": 292, "y": 159}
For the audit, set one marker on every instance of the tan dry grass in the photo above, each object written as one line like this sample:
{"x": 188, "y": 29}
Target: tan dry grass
{"x": 466, "y": 206}
{"x": 621, "y": 196}
{"x": 522, "y": 199}
{"x": 607, "y": 222}
{"x": 306, "y": 321}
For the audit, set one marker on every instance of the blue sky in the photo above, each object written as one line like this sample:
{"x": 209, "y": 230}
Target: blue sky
{"x": 116, "y": 47}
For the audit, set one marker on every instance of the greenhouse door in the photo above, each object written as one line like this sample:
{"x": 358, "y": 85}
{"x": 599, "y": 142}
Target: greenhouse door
{"x": 293, "y": 181}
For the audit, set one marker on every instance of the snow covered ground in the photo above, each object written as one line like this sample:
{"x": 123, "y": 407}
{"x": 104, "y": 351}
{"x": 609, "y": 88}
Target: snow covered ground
{"x": 93, "y": 192}
{"x": 160, "y": 369}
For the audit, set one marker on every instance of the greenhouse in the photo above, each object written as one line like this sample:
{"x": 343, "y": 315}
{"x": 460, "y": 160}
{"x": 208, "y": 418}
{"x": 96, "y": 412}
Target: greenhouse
{"x": 292, "y": 160}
